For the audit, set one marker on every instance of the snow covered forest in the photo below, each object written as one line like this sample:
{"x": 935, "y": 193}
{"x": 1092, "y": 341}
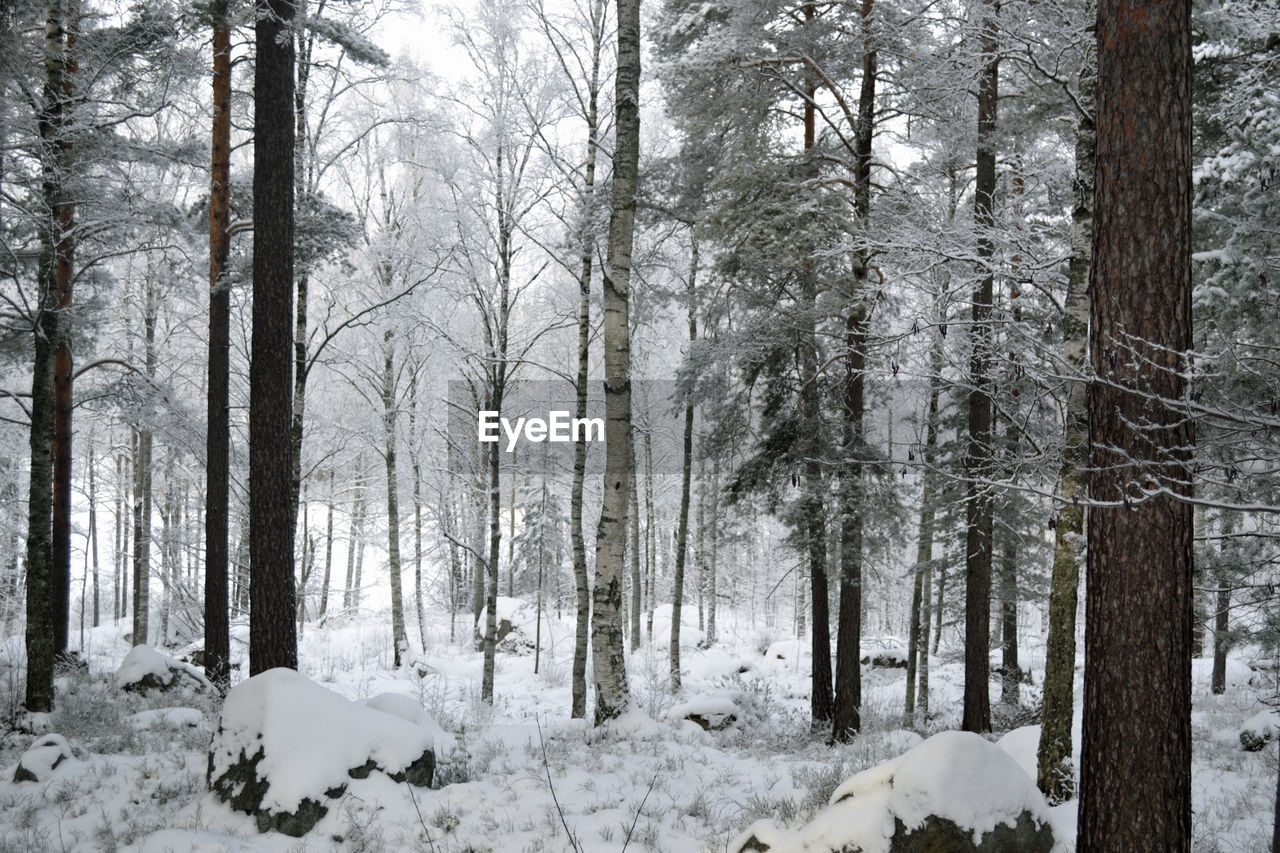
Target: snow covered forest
{"x": 678, "y": 425}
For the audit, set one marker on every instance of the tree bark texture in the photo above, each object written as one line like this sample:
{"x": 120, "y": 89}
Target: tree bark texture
{"x": 1054, "y": 772}
{"x": 217, "y": 638}
{"x": 686, "y": 472}
{"x": 389, "y": 412}
{"x": 272, "y": 596}
{"x": 612, "y": 694}
{"x": 1136, "y": 758}
{"x": 848, "y": 687}
{"x": 978, "y": 502}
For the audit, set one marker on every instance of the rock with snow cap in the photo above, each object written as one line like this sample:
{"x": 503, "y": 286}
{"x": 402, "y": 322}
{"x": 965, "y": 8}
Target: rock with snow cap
{"x": 955, "y": 792}
{"x": 285, "y": 746}
{"x": 45, "y": 755}
{"x": 1259, "y": 730}
{"x": 144, "y": 669}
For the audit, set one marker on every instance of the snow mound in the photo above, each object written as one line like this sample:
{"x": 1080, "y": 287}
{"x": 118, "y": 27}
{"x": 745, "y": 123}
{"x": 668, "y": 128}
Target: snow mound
{"x": 900, "y": 740}
{"x": 711, "y": 666}
{"x": 711, "y": 712}
{"x": 405, "y": 708}
{"x": 46, "y": 754}
{"x": 1023, "y": 746}
{"x": 957, "y": 789}
{"x": 634, "y": 724}
{"x": 1259, "y": 730}
{"x": 171, "y": 717}
{"x": 284, "y": 745}
{"x": 144, "y": 668}
{"x": 1239, "y": 673}
{"x": 690, "y": 634}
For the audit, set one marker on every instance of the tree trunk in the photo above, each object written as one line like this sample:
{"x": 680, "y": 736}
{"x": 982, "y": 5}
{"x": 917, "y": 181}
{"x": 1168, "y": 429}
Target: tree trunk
{"x": 217, "y": 638}
{"x": 141, "y": 534}
{"x": 580, "y": 577}
{"x": 64, "y": 259}
{"x": 477, "y": 535}
{"x": 328, "y": 551}
{"x": 416, "y": 469}
{"x": 349, "y": 585}
{"x": 1011, "y": 673}
{"x": 713, "y": 537}
{"x": 650, "y": 536}
{"x": 398, "y": 642}
{"x": 848, "y": 699}
{"x": 272, "y": 597}
{"x": 491, "y": 564}
{"x": 1136, "y": 767}
{"x": 682, "y": 522}
{"x": 93, "y": 535}
{"x": 1054, "y": 771}
{"x": 1221, "y": 620}
{"x": 634, "y": 498}
{"x": 612, "y": 695}
{"x": 813, "y": 511}
{"x": 978, "y": 501}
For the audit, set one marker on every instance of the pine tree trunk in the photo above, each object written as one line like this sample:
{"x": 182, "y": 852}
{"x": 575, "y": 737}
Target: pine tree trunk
{"x": 978, "y": 502}
{"x": 1011, "y": 673}
{"x": 217, "y": 638}
{"x": 141, "y": 534}
{"x": 1221, "y": 615}
{"x": 272, "y": 597}
{"x": 848, "y": 699}
{"x": 612, "y": 695}
{"x": 1135, "y": 779}
{"x": 918, "y": 643}
{"x": 64, "y": 259}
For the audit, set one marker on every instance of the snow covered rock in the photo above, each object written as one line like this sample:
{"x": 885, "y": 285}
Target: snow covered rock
{"x": 1259, "y": 730}
{"x": 44, "y": 756}
{"x": 955, "y": 792}
{"x": 284, "y": 746}
{"x": 895, "y": 658}
{"x": 711, "y": 713}
{"x": 515, "y": 626}
{"x": 788, "y": 650}
{"x": 145, "y": 669}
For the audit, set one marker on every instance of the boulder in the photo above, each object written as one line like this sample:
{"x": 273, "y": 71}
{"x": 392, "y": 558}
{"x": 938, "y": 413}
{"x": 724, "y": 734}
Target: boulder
{"x": 711, "y": 713}
{"x": 895, "y": 658}
{"x": 1259, "y": 730}
{"x": 45, "y": 755}
{"x": 144, "y": 669}
{"x": 285, "y": 746}
{"x": 953, "y": 793}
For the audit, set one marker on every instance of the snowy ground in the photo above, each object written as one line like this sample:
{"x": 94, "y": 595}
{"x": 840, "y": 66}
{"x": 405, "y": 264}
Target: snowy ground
{"x": 522, "y": 776}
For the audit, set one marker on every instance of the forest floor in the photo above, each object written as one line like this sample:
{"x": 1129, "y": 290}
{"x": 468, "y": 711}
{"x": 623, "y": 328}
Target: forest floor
{"x": 521, "y": 775}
